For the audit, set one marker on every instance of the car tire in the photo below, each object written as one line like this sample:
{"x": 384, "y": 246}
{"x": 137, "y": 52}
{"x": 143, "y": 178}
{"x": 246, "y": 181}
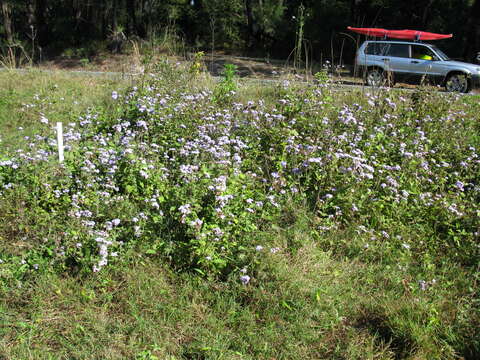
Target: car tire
{"x": 457, "y": 83}
{"x": 375, "y": 77}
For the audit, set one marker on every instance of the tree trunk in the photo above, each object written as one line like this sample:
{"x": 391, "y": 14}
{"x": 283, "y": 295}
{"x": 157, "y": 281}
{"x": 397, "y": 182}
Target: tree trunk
{"x": 7, "y": 20}
{"x": 114, "y": 15}
{"x": 42, "y": 32}
{"x": 141, "y": 25}
{"x": 31, "y": 21}
{"x": 78, "y": 13}
{"x": 260, "y": 20}
{"x": 105, "y": 19}
{"x": 131, "y": 18}
{"x": 249, "y": 14}
{"x": 353, "y": 11}
{"x": 472, "y": 46}
{"x": 426, "y": 13}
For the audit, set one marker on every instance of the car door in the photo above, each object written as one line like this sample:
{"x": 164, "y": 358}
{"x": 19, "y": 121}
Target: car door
{"x": 375, "y": 54}
{"x": 423, "y": 63}
{"x": 398, "y": 58}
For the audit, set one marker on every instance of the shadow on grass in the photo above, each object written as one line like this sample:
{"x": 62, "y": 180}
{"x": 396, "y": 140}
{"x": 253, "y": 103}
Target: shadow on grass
{"x": 377, "y": 325}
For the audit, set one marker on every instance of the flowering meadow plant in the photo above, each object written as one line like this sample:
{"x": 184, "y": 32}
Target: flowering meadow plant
{"x": 171, "y": 171}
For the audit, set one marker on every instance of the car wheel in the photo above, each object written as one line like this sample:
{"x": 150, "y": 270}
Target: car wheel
{"x": 457, "y": 83}
{"x": 375, "y": 77}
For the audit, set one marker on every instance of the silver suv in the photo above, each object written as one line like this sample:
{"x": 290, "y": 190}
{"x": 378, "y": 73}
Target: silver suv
{"x": 405, "y": 61}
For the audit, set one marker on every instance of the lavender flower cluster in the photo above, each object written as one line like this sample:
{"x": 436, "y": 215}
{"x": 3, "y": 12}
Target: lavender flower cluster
{"x": 174, "y": 171}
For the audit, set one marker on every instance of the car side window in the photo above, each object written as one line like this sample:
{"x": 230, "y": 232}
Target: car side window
{"x": 375, "y": 48}
{"x": 422, "y": 53}
{"x": 398, "y": 50}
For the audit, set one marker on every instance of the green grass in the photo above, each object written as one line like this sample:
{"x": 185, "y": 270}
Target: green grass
{"x": 322, "y": 296}
{"x": 307, "y": 306}
{"x": 25, "y": 96}
{"x": 303, "y": 306}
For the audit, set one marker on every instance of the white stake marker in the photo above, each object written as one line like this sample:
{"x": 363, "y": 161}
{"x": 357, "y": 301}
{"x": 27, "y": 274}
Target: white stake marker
{"x": 60, "y": 141}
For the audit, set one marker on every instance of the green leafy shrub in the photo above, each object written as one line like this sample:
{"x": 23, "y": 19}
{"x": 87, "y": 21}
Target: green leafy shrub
{"x": 186, "y": 174}
{"x": 227, "y": 87}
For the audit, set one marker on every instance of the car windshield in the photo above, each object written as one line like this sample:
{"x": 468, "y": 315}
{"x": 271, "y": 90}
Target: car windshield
{"x": 440, "y": 53}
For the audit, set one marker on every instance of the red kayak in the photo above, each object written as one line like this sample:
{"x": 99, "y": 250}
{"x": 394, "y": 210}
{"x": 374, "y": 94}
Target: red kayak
{"x": 400, "y": 34}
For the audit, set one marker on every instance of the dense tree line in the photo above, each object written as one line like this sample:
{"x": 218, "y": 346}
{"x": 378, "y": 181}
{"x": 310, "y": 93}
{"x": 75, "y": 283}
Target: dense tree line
{"x": 262, "y": 27}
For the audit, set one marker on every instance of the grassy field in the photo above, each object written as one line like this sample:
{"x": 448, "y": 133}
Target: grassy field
{"x": 202, "y": 220}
